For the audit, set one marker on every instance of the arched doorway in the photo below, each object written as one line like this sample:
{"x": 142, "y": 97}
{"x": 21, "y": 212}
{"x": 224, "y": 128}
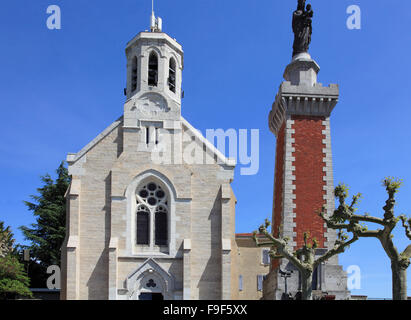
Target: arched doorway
{"x": 150, "y": 282}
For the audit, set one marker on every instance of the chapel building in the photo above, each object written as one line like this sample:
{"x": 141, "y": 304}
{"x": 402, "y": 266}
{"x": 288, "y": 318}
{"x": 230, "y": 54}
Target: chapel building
{"x": 150, "y": 209}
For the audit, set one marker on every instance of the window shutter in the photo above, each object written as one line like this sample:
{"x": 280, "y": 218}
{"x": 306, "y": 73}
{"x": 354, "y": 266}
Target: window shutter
{"x": 260, "y": 279}
{"x": 142, "y": 227}
{"x": 266, "y": 257}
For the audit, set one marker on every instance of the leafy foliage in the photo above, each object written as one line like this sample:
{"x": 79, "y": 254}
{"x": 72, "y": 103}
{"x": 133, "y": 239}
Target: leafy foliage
{"x": 49, "y": 207}
{"x": 6, "y": 240}
{"x": 14, "y": 281}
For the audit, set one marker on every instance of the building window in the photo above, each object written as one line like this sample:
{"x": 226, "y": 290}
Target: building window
{"x": 134, "y": 75}
{"x": 260, "y": 280}
{"x": 172, "y": 75}
{"x": 152, "y": 214}
{"x": 153, "y": 70}
{"x": 265, "y": 257}
{"x": 143, "y": 226}
{"x": 147, "y": 135}
{"x": 240, "y": 283}
{"x": 151, "y": 133}
{"x": 161, "y": 226}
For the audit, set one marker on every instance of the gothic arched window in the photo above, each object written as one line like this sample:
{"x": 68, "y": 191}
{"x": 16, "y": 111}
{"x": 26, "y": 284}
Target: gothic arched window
{"x": 153, "y": 69}
{"x": 152, "y": 214}
{"x": 172, "y": 75}
{"x": 134, "y": 75}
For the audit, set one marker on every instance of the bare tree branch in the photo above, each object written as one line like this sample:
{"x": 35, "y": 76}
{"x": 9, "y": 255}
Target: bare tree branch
{"x": 338, "y": 248}
{"x": 369, "y": 219}
{"x": 407, "y": 226}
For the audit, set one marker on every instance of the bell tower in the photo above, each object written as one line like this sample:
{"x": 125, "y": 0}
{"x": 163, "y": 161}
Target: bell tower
{"x": 155, "y": 62}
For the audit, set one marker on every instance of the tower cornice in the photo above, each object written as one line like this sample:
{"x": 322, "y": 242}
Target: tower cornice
{"x": 155, "y": 36}
{"x": 301, "y": 94}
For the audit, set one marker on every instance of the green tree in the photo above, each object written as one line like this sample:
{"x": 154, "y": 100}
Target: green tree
{"x": 6, "y": 240}
{"x": 13, "y": 279}
{"x": 344, "y": 217}
{"x": 49, "y": 208}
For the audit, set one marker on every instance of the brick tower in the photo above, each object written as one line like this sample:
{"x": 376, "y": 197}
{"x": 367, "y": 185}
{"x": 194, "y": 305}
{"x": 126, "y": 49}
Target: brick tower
{"x": 303, "y": 182}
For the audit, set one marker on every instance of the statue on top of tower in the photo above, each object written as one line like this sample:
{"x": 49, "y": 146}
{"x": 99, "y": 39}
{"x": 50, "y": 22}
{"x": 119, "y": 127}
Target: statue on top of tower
{"x": 302, "y": 27}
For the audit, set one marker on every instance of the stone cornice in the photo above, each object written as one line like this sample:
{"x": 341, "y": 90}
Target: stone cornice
{"x": 302, "y": 100}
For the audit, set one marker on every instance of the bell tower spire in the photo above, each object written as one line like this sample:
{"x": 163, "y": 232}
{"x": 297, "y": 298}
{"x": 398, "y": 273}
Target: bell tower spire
{"x": 155, "y": 63}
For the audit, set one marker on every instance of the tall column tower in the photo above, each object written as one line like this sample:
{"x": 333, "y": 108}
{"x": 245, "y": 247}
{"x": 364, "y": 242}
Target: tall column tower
{"x": 303, "y": 182}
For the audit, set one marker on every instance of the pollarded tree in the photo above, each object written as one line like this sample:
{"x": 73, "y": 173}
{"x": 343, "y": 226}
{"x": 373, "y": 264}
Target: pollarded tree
{"x": 304, "y": 259}
{"x": 344, "y": 218}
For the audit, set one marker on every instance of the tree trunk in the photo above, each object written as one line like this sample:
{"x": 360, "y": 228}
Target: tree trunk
{"x": 307, "y": 286}
{"x": 399, "y": 281}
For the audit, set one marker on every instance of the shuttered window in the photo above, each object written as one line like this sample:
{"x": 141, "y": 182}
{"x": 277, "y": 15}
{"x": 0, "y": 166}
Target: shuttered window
{"x": 266, "y": 256}
{"x": 260, "y": 279}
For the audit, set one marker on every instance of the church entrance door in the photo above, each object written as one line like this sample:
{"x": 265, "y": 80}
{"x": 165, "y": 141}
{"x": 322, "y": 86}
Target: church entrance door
{"x": 151, "y": 296}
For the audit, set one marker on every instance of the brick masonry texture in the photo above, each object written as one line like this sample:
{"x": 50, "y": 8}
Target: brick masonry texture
{"x": 309, "y": 172}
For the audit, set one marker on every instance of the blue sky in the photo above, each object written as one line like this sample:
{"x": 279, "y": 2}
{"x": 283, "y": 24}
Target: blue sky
{"x": 61, "y": 88}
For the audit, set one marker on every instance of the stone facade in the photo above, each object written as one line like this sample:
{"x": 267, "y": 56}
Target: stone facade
{"x": 253, "y": 264}
{"x": 150, "y": 143}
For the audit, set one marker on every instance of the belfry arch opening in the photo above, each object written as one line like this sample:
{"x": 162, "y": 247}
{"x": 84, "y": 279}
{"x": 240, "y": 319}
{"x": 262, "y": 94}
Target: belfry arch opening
{"x": 153, "y": 70}
{"x": 172, "y": 75}
{"x": 134, "y": 75}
